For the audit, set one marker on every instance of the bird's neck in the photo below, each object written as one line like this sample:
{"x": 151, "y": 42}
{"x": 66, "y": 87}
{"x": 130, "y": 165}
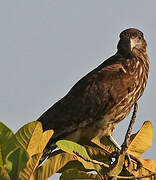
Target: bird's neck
{"x": 142, "y": 56}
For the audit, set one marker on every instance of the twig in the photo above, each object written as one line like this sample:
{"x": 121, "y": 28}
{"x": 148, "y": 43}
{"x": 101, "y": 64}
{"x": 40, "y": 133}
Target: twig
{"x": 136, "y": 177}
{"x": 105, "y": 165}
{"x": 129, "y": 130}
{"x": 91, "y": 160}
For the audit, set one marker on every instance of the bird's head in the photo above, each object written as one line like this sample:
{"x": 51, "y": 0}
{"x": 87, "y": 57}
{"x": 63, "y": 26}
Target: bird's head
{"x": 131, "y": 41}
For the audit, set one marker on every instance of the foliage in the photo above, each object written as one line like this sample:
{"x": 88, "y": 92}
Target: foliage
{"x": 21, "y": 152}
{"x": 140, "y": 142}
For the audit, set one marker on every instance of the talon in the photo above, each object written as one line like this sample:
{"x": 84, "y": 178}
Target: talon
{"x": 129, "y": 158}
{"x": 124, "y": 146}
{"x": 114, "y": 155}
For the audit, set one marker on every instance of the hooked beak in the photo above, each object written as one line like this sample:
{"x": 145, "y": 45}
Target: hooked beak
{"x": 132, "y": 43}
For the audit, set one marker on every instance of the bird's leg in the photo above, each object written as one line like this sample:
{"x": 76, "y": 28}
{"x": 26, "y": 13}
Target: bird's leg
{"x": 123, "y": 148}
{"x": 115, "y": 154}
{"x": 126, "y": 142}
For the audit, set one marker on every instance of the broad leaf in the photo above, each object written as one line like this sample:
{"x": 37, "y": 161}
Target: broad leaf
{"x": 27, "y": 172}
{"x": 74, "y": 164}
{"x": 5, "y": 135}
{"x": 32, "y": 138}
{"x": 29, "y": 136}
{"x": 44, "y": 140}
{"x": 53, "y": 165}
{"x": 142, "y": 140}
{"x": 16, "y": 161}
{"x": 11, "y": 145}
{"x": 149, "y": 166}
{"x": 98, "y": 154}
{"x": 117, "y": 166}
{"x": 24, "y": 138}
{"x": 72, "y": 148}
{"x": 105, "y": 143}
{"x": 95, "y": 153}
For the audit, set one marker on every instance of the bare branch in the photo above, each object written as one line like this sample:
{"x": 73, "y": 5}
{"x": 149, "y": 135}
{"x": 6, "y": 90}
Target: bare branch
{"x": 134, "y": 177}
{"x": 129, "y": 130}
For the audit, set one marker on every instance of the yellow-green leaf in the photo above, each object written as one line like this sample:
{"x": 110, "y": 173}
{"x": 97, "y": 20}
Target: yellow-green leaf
{"x": 105, "y": 143}
{"x": 52, "y": 165}
{"x": 5, "y": 135}
{"x": 44, "y": 140}
{"x": 74, "y": 164}
{"x": 27, "y": 172}
{"x": 29, "y": 136}
{"x": 117, "y": 166}
{"x": 142, "y": 140}
{"x": 72, "y": 148}
{"x": 98, "y": 154}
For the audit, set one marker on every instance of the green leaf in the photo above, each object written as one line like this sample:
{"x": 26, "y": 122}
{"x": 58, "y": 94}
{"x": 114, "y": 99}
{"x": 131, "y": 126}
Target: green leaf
{"x": 71, "y": 147}
{"x": 117, "y": 166}
{"x": 5, "y": 135}
{"x": 9, "y": 146}
{"x": 71, "y": 164}
{"x": 105, "y": 143}
{"x": 27, "y": 137}
{"x": 142, "y": 140}
{"x": 16, "y": 161}
{"x": 71, "y": 174}
{"x": 53, "y": 165}
{"x": 1, "y": 156}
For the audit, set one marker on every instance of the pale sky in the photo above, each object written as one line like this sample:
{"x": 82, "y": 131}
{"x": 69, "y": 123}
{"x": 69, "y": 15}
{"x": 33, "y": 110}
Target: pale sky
{"x": 46, "y": 46}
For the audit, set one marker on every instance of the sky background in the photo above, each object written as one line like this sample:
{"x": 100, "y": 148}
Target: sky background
{"x": 46, "y": 46}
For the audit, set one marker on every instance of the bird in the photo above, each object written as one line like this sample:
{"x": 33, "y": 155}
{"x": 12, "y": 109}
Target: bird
{"x": 103, "y": 97}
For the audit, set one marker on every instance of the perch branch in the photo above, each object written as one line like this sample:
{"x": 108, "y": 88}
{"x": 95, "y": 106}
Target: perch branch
{"x": 129, "y": 130}
{"x": 136, "y": 177}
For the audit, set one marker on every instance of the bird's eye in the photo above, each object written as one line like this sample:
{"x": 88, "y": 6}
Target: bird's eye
{"x": 140, "y": 37}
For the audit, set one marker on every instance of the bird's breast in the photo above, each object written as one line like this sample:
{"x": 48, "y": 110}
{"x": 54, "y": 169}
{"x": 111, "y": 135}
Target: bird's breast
{"x": 138, "y": 70}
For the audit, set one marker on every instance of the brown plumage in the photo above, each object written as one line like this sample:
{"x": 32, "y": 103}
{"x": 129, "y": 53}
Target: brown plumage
{"x": 105, "y": 96}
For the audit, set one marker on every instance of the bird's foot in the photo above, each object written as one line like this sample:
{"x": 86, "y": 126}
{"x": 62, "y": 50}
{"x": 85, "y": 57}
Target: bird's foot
{"x": 124, "y": 146}
{"x": 114, "y": 155}
{"x": 129, "y": 159}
